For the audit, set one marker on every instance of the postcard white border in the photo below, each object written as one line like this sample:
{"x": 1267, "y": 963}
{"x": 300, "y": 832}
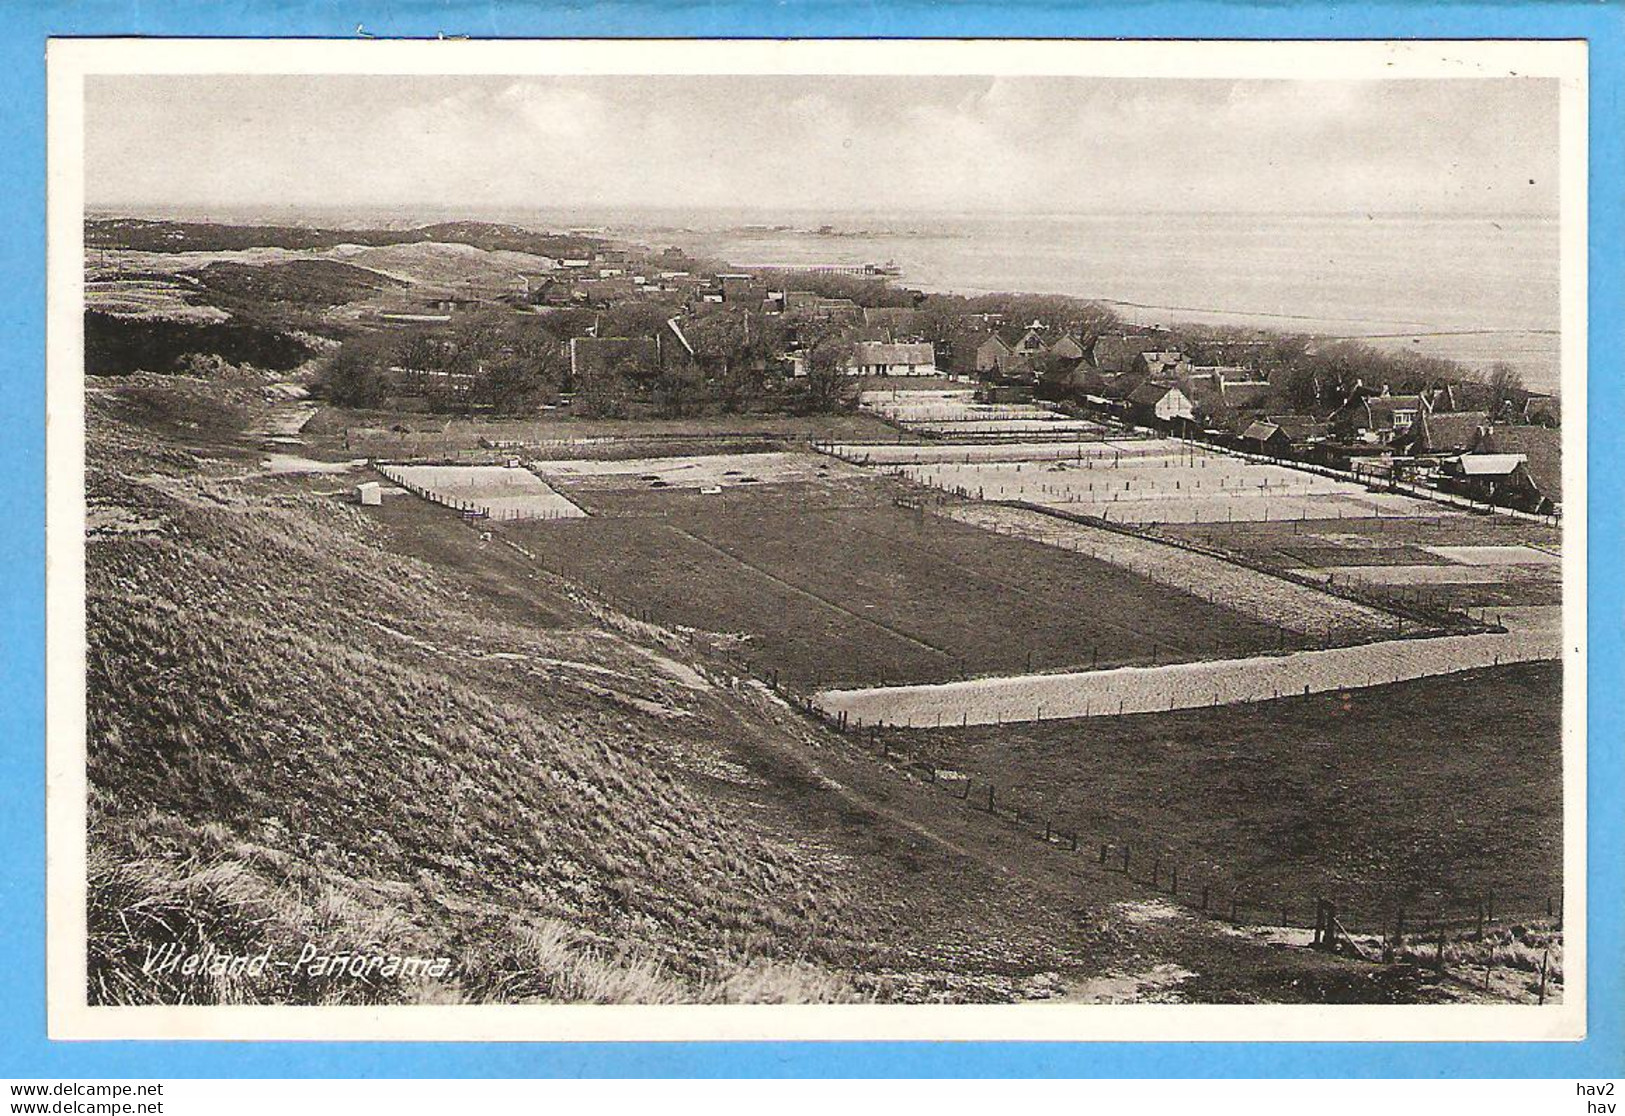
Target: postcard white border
{"x": 70, "y": 61}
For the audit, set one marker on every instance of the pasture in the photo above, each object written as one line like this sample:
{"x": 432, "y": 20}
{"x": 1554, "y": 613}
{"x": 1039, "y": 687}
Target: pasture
{"x": 833, "y": 584}
{"x": 1424, "y": 793}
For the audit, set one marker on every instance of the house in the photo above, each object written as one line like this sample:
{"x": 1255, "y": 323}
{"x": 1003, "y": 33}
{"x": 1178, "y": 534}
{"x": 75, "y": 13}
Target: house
{"x": 1067, "y": 347}
{"x": 892, "y": 358}
{"x": 1494, "y": 478}
{"x": 1540, "y": 409}
{"x": 604, "y": 292}
{"x": 742, "y": 288}
{"x": 1153, "y": 403}
{"x": 552, "y": 292}
{"x": 1461, "y": 395}
{"x": 1378, "y": 418}
{"x": 1160, "y": 364}
{"x": 1028, "y": 342}
{"x": 1225, "y": 389}
{"x": 1302, "y": 429}
{"x": 810, "y": 304}
{"x": 1266, "y": 438}
{"x": 1116, "y": 352}
{"x": 1452, "y": 432}
{"x": 1541, "y": 448}
{"x": 993, "y": 354}
{"x": 889, "y": 323}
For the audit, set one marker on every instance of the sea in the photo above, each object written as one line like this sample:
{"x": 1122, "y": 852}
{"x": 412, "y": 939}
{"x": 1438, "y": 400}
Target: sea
{"x": 1479, "y": 289}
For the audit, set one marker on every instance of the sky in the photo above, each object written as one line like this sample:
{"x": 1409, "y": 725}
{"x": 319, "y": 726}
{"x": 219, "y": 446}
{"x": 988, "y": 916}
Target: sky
{"x": 828, "y": 144}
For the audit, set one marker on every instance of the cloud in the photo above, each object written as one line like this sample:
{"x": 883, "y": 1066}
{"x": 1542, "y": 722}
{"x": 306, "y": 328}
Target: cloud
{"x": 831, "y": 143}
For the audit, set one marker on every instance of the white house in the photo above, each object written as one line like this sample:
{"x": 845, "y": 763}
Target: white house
{"x": 893, "y": 358}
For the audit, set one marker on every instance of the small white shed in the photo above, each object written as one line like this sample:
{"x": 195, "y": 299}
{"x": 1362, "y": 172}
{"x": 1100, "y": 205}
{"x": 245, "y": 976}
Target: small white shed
{"x": 369, "y": 494}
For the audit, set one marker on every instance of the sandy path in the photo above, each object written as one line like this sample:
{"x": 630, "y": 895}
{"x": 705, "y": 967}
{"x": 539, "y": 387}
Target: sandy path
{"x": 1532, "y": 633}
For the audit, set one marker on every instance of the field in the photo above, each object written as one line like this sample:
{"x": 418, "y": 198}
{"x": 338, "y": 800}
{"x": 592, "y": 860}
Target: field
{"x": 1426, "y": 793}
{"x": 390, "y": 434}
{"x": 1168, "y": 482}
{"x": 693, "y": 471}
{"x": 494, "y": 491}
{"x": 1450, "y": 559}
{"x": 833, "y": 584}
{"x": 1274, "y": 600}
{"x": 1531, "y": 634}
{"x": 956, "y": 413}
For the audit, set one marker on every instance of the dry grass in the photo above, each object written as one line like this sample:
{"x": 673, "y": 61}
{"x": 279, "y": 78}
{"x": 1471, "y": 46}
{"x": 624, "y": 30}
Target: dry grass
{"x": 294, "y": 732}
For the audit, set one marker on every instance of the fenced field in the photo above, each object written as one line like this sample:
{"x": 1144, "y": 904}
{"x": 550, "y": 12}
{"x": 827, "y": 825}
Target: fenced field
{"x": 489, "y": 491}
{"x": 1532, "y": 634}
{"x": 871, "y": 593}
{"x": 1159, "y": 482}
{"x": 943, "y": 453}
{"x": 1450, "y": 559}
{"x": 1429, "y": 799}
{"x": 956, "y": 413}
{"x": 1274, "y": 600}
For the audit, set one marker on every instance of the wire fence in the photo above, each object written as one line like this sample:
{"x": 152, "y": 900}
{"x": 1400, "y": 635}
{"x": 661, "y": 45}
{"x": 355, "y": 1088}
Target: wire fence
{"x": 1498, "y": 942}
{"x": 474, "y": 509}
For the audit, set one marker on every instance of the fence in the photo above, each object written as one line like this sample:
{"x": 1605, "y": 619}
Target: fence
{"x": 1391, "y": 484}
{"x": 472, "y": 509}
{"x": 1454, "y": 939}
{"x": 1472, "y": 942}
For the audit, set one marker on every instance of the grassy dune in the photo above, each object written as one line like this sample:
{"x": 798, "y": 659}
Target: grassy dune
{"x": 296, "y": 736}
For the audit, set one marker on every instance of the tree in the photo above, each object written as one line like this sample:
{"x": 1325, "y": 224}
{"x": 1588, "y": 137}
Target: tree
{"x": 606, "y": 394}
{"x": 1506, "y": 386}
{"x": 520, "y": 372}
{"x": 358, "y": 374}
{"x": 734, "y": 349}
{"x": 1300, "y": 389}
{"x": 677, "y": 386}
{"x": 828, "y": 386}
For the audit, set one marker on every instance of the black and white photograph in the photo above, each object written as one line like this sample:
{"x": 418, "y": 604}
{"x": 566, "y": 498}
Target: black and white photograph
{"x": 850, "y": 539}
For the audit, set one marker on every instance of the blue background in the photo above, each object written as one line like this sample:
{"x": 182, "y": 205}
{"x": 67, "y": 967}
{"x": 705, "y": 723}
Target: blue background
{"x": 24, "y": 1051}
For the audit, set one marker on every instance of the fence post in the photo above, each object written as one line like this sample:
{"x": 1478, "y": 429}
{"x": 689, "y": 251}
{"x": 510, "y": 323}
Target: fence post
{"x": 1545, "y": 956}
{"x": 1125, "y": 859}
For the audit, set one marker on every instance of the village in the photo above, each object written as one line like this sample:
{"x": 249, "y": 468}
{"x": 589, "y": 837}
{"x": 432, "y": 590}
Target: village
{"x": 626, "y": 325}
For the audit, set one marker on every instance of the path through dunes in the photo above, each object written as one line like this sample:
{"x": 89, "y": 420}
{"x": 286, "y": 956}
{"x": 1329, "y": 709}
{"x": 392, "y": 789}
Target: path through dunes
{"x": 1532, "y": 633}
